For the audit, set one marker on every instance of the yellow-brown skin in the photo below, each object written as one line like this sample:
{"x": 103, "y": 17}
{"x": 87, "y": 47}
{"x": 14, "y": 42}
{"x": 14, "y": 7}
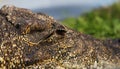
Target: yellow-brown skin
{"x": 31, "y": 40}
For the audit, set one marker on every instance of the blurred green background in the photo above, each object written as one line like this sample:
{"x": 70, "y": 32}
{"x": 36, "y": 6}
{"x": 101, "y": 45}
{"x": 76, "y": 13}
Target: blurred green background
{"x": 100, "y": 23}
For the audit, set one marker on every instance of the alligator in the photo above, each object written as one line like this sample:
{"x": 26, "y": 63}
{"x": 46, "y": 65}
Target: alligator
{"x": 38, "y": 41}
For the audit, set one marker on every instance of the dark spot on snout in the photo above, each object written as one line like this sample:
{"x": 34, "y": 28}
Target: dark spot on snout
{"x": 17, "y": 26}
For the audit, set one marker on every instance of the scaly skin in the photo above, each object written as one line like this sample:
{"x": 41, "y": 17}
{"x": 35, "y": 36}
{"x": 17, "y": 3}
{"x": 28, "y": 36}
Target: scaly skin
{"x": 31, "y": 40}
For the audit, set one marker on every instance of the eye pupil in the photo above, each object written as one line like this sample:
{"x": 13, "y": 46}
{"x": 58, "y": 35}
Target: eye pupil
{"x": 17, "y": 26}
{"x": 61, "y": 32}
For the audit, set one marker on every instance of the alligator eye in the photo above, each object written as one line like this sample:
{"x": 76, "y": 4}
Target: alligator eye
{"x": 61, "y": 32}
{"x": 17, "y": 26}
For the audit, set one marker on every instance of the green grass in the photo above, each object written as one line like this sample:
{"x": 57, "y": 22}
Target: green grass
{"x": 101, "y": 23}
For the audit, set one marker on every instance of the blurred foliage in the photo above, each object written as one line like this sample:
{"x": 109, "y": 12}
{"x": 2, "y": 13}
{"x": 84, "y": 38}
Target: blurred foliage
{"x": 101, "y": 23}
